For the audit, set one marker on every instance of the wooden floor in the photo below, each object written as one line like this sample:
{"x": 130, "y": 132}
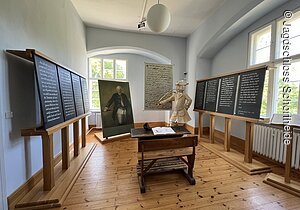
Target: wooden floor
{"x": 109, "y": 181}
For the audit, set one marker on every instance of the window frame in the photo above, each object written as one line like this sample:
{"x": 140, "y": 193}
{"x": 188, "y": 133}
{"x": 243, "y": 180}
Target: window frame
{"x": 272, "y": 63}
{"x": 90, "y": 78}
{"x": 251, "y": 45}
{"x": 115, "y": 73}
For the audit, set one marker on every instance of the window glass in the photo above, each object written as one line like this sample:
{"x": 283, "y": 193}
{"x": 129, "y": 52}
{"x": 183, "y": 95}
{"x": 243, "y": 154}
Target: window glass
{"x": 104, "y": 69}
{"x": 94, "y": 93}
{"x": 264, "y": 104}
{"x": 108, "y": 69}
{"x": 290, "y": 32}
{"x": 95, "y": 67}
{"x": 260, "y": 46}
{"x": 120, "y": 69}
{"x": 294, "y": 84}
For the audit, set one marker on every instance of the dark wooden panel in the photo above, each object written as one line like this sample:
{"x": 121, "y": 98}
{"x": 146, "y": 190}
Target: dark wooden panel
{"x": 49, "y": 92}
{"x": 66, "y": 88}
{"x": 250, "y": 93}
{"x": 85, "y": 94}
{"x": 199, "y": 97}
{"x": 227, "y": 94}
{"x": 77, "y": 94}
{"x": 211, "y": 95}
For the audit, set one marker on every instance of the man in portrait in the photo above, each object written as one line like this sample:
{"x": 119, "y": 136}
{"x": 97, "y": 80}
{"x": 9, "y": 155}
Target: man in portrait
{"x": 121, "y": 107}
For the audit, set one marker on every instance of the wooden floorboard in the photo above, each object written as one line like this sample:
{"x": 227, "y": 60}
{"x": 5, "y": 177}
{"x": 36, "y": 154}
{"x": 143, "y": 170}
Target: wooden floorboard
{"x": 109, "y": 181}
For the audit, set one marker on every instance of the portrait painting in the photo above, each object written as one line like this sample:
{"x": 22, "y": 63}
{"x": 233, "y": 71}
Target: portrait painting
{"x": 116, "y": 108}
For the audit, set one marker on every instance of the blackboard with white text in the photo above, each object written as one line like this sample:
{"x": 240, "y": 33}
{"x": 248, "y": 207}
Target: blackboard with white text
{"x": 211, "y": 95}
{"x": 227, "y": 94}
{"x": 234, "y": 94}
{"x": 250, "y": 93}
{"x": 66, "y": 87}
{"x": 200, "y": 93}
{"x": 77, "y": 94}
{"x": 49, "y": 92}
{"x": 85, "y": 94}
{"x": 63, "y": 95}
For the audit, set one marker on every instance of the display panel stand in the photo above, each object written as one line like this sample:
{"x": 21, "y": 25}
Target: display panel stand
{"x": 47, "y": 144}
{"x": 52, "y": 190}
{"x": 243, "y": 162}
{"x": 285, "y": 183}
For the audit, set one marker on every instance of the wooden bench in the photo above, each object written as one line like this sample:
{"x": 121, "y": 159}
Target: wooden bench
{"x": 166, "y": 154}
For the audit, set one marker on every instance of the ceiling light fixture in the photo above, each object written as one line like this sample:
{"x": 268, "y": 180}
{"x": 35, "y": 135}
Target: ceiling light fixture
{"x": 158, "y": 18}
{"x": 142, "y": 22}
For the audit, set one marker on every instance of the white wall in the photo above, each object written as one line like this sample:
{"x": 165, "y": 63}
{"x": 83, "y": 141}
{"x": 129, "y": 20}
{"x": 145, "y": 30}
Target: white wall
{"x": 54, "y": 28}
{"x": 174, "y": 48}
{"x": 234, "y": 57}
{"x": 136, "y": 79}
{"x": 198, "y": 66}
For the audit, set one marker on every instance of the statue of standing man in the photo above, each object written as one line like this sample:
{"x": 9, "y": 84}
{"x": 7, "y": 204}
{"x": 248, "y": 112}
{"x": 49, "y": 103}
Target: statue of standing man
{"x": 182, "y": 102}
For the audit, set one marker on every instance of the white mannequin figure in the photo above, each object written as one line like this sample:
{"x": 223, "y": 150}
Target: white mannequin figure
{"x": 182, "y": 103}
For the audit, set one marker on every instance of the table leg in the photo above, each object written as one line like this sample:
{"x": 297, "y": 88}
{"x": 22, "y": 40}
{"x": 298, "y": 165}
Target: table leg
{"x": 190, "y": 177}
{"x": 48, "y": 163}
{"x": 142, "y": 179}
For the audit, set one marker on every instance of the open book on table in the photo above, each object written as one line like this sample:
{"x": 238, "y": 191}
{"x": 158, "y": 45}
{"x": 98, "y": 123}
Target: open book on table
{"x": 162, "y": 130}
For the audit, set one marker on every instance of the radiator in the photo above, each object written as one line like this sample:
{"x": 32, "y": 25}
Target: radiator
{"x": 268, "y": 141}
{"x": 98, "y": 120}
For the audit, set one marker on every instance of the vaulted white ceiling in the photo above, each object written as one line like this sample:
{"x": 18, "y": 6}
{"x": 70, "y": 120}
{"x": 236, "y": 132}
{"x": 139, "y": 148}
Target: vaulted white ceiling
{"x": 186, "y": 15}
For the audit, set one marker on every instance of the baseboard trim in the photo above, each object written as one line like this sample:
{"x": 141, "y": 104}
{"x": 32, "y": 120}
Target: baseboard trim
{"x": 21, "y": 191}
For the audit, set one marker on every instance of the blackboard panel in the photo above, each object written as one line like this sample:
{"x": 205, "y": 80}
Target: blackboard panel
{"x": 77, "y": 94}
{"x": 227, "y": 94}
{"x": 199, "y": 97}
{"x": 49, "y": 92}
{"x": 85, "y": 94}
{"x": 250, "y": 93}
{"x": 66, "y": 88}
{"x": 211, "y": 95}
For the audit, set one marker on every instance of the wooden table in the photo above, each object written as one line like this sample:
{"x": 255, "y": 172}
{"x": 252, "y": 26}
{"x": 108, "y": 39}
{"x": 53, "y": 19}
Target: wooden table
{"x": 165, "y": 152}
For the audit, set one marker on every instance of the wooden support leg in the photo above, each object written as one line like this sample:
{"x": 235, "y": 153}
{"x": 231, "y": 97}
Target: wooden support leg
{"x": 288, "y": 161}
{"x": 200, "y": 130}
{"x": 65, "y": 147}
{"x": 249, "y": 142}
{"x": 227, "y": 134}
{"x": 76, "y": 138}
{"x": 191, "y": 160}
{"x": 83, "y": 132}
{"x": 212, "y": 129}
{"x": 48, "y": 163}
{"x": 190, "y": 177}
{"x": 142, "y": 179}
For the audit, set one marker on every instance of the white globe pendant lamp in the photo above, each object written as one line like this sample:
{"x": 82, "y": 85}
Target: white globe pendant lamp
{"x": 158, "y": 18}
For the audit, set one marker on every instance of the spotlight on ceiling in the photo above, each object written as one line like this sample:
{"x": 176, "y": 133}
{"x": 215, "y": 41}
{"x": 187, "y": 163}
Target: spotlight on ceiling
{"x": 158, "y": 18}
